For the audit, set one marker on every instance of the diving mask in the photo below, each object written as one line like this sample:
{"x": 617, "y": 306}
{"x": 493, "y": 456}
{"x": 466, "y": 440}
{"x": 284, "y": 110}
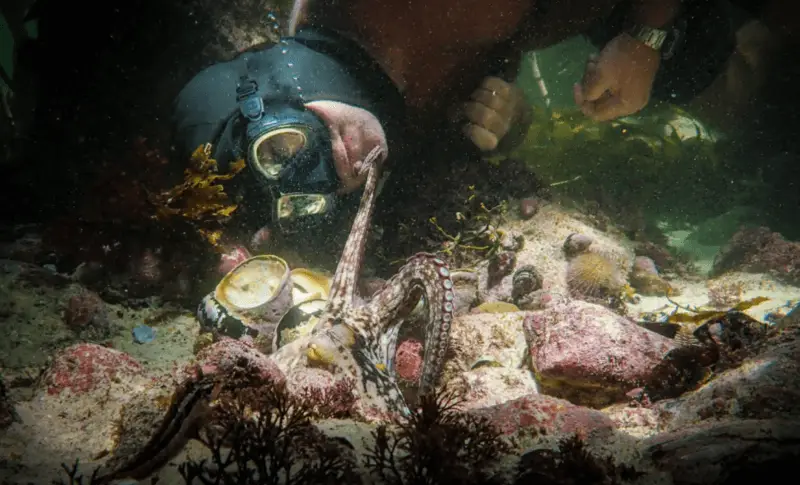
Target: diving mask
{"x": 289, "y": 151}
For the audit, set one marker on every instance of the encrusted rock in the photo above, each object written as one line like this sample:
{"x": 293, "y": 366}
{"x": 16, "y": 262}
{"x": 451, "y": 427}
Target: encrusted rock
{"x": 408, "y": 360}
{"x": 498, "y": 335}
{"x": 84, "y": 368}
{"x": 759, "y": 250}
{"x": 489, "y": 386}
{"x": 588, "y": 354}
{"x": 540, "y": 414}
{"x": 227, "y": 354}
{"x": 765, "y": 386}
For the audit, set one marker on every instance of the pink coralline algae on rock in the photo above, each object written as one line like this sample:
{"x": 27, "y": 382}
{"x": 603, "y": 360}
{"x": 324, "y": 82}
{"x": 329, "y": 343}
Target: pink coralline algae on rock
{"x": 588, "y": 354}
{"x": 643, "y": 264}
{"x": 546, "y": 415}
{"x": 223, "y": 356}
{"x": 232, "y": 258}
{"x": 759, "y": 250}
{"x": 408, "y": 360}
{"x": 83, "y": 368}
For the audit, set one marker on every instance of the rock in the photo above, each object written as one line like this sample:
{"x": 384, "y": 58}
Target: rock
{"x": 489, "y": 386}
{"x": 84, "y": 368}
{"x": 23, "y": 243}
{"x": 720, "y": 452}
{"x": 539, "y": 414}
{"x": 759, "y": 250}
{"x": 408, "y": 360}
{"x": 588, "y": 354}
{"x": 465, "y": 291}
{"x": 763, "y": 387}
{"x": 529, "y": 206}
{"x": 227, "y": 354}
{"x": 637, "y": 420}
{"x": 576, "y": 244}
{"x": 86, "y": 314}
{"x": 7, "y": 412}
{"x": 497, "y": 335}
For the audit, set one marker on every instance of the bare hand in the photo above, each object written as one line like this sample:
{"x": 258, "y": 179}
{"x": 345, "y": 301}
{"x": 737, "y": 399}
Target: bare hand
{"x": 491, "y": 111}
{"x": 618, "y": 81}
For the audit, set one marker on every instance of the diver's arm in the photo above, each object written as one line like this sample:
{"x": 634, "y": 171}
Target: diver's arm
{"x": 298, "y": 16}
{"x": 654, "y": 13}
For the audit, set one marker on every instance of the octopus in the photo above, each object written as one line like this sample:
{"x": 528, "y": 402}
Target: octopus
{"x": 357, "y": 338}
{"x": 353, "y": 338}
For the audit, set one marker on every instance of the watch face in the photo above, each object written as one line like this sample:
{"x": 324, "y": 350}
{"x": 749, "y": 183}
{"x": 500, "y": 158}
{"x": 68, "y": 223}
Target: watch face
{"x": 649, "y": 36}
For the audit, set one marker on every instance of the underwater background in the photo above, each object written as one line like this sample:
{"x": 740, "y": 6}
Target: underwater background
{"x": 620, "y": 299}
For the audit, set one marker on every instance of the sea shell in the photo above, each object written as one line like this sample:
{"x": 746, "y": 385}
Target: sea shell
{"x": 309, "y": 285}
{"x": 300, "y": 320}
{"x": 526, "y": 280}
{"x": 249, "y": 300}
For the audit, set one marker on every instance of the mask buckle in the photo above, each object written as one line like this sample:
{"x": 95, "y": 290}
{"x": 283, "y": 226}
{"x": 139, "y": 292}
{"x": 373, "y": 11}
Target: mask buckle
{"x": 251, "y": 105}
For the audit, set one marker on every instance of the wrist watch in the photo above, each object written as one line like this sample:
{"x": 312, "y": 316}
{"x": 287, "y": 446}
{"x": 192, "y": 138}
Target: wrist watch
{"x": 653, "y": 38}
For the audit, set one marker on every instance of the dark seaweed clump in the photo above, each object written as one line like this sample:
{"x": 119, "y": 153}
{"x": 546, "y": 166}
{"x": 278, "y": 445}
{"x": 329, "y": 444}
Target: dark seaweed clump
{"x": 437, "y": 444}
{"x": 571, "y": 464}
{"x": 264, "y": 435}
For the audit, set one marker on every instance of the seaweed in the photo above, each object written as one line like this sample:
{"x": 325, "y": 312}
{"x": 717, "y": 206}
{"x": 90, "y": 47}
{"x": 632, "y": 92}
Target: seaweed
{"x": 475, "y": 235}
{"x": 266, "y": 436}
{"x": 571, "y": 464}
{"x": 700, "y": 316}
{"x": 200, "y": 199}
{"x": 437, "y": 444}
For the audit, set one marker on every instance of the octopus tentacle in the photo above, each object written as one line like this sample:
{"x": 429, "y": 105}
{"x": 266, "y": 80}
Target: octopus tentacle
{"x": 345, "y": 279}
{"x": 427, "y": 275}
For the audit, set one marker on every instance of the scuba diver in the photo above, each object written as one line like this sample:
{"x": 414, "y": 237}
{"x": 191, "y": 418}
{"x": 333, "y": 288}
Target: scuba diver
{"x": 407, "y": 76}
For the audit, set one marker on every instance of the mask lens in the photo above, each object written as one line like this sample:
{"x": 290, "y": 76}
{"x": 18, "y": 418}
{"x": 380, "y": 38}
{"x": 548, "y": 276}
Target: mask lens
{"x": 275, "y": 149}
{"x": 297, "y": 206}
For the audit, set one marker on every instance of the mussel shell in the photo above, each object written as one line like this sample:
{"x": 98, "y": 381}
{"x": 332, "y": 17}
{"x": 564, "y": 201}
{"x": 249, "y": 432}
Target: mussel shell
{"x": 253, "y": 283}
{"x": 299, "y": 320}
{"x": 309, "y": 285}
{"x": 215, "y": 318}
{"x": 249, "y": 300}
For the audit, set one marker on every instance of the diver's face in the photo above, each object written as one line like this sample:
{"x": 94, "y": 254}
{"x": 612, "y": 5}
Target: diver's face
{"x": 354, "y": 133}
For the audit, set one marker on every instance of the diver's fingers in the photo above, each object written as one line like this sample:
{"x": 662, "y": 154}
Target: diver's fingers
{"x": 498, "y": 86}
{"x": 492, "y": 101}
{"x": 484, "y": 139}
{"x": 608, "y": 107}
{"x": 487, "y": 118}
{"x": 594, "y": 82}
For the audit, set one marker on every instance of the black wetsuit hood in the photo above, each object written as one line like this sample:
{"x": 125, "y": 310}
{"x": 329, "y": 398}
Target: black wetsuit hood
{"x": 313, "y": 65}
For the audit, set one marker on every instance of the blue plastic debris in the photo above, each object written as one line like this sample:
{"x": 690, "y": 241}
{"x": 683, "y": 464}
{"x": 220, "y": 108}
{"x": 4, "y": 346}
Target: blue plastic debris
{"x": 143, "y": 334}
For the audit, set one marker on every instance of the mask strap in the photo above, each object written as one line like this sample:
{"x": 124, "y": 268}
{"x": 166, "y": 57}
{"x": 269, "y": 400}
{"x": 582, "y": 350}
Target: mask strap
{"x": 251, "y": 105}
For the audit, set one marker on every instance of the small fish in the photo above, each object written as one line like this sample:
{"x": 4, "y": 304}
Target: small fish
{"x": 190, "y": 406}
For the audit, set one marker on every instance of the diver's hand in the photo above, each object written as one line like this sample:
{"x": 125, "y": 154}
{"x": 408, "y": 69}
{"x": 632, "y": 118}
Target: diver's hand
{"x": 492, "y": 110}
{"x": 618, "y": 81}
